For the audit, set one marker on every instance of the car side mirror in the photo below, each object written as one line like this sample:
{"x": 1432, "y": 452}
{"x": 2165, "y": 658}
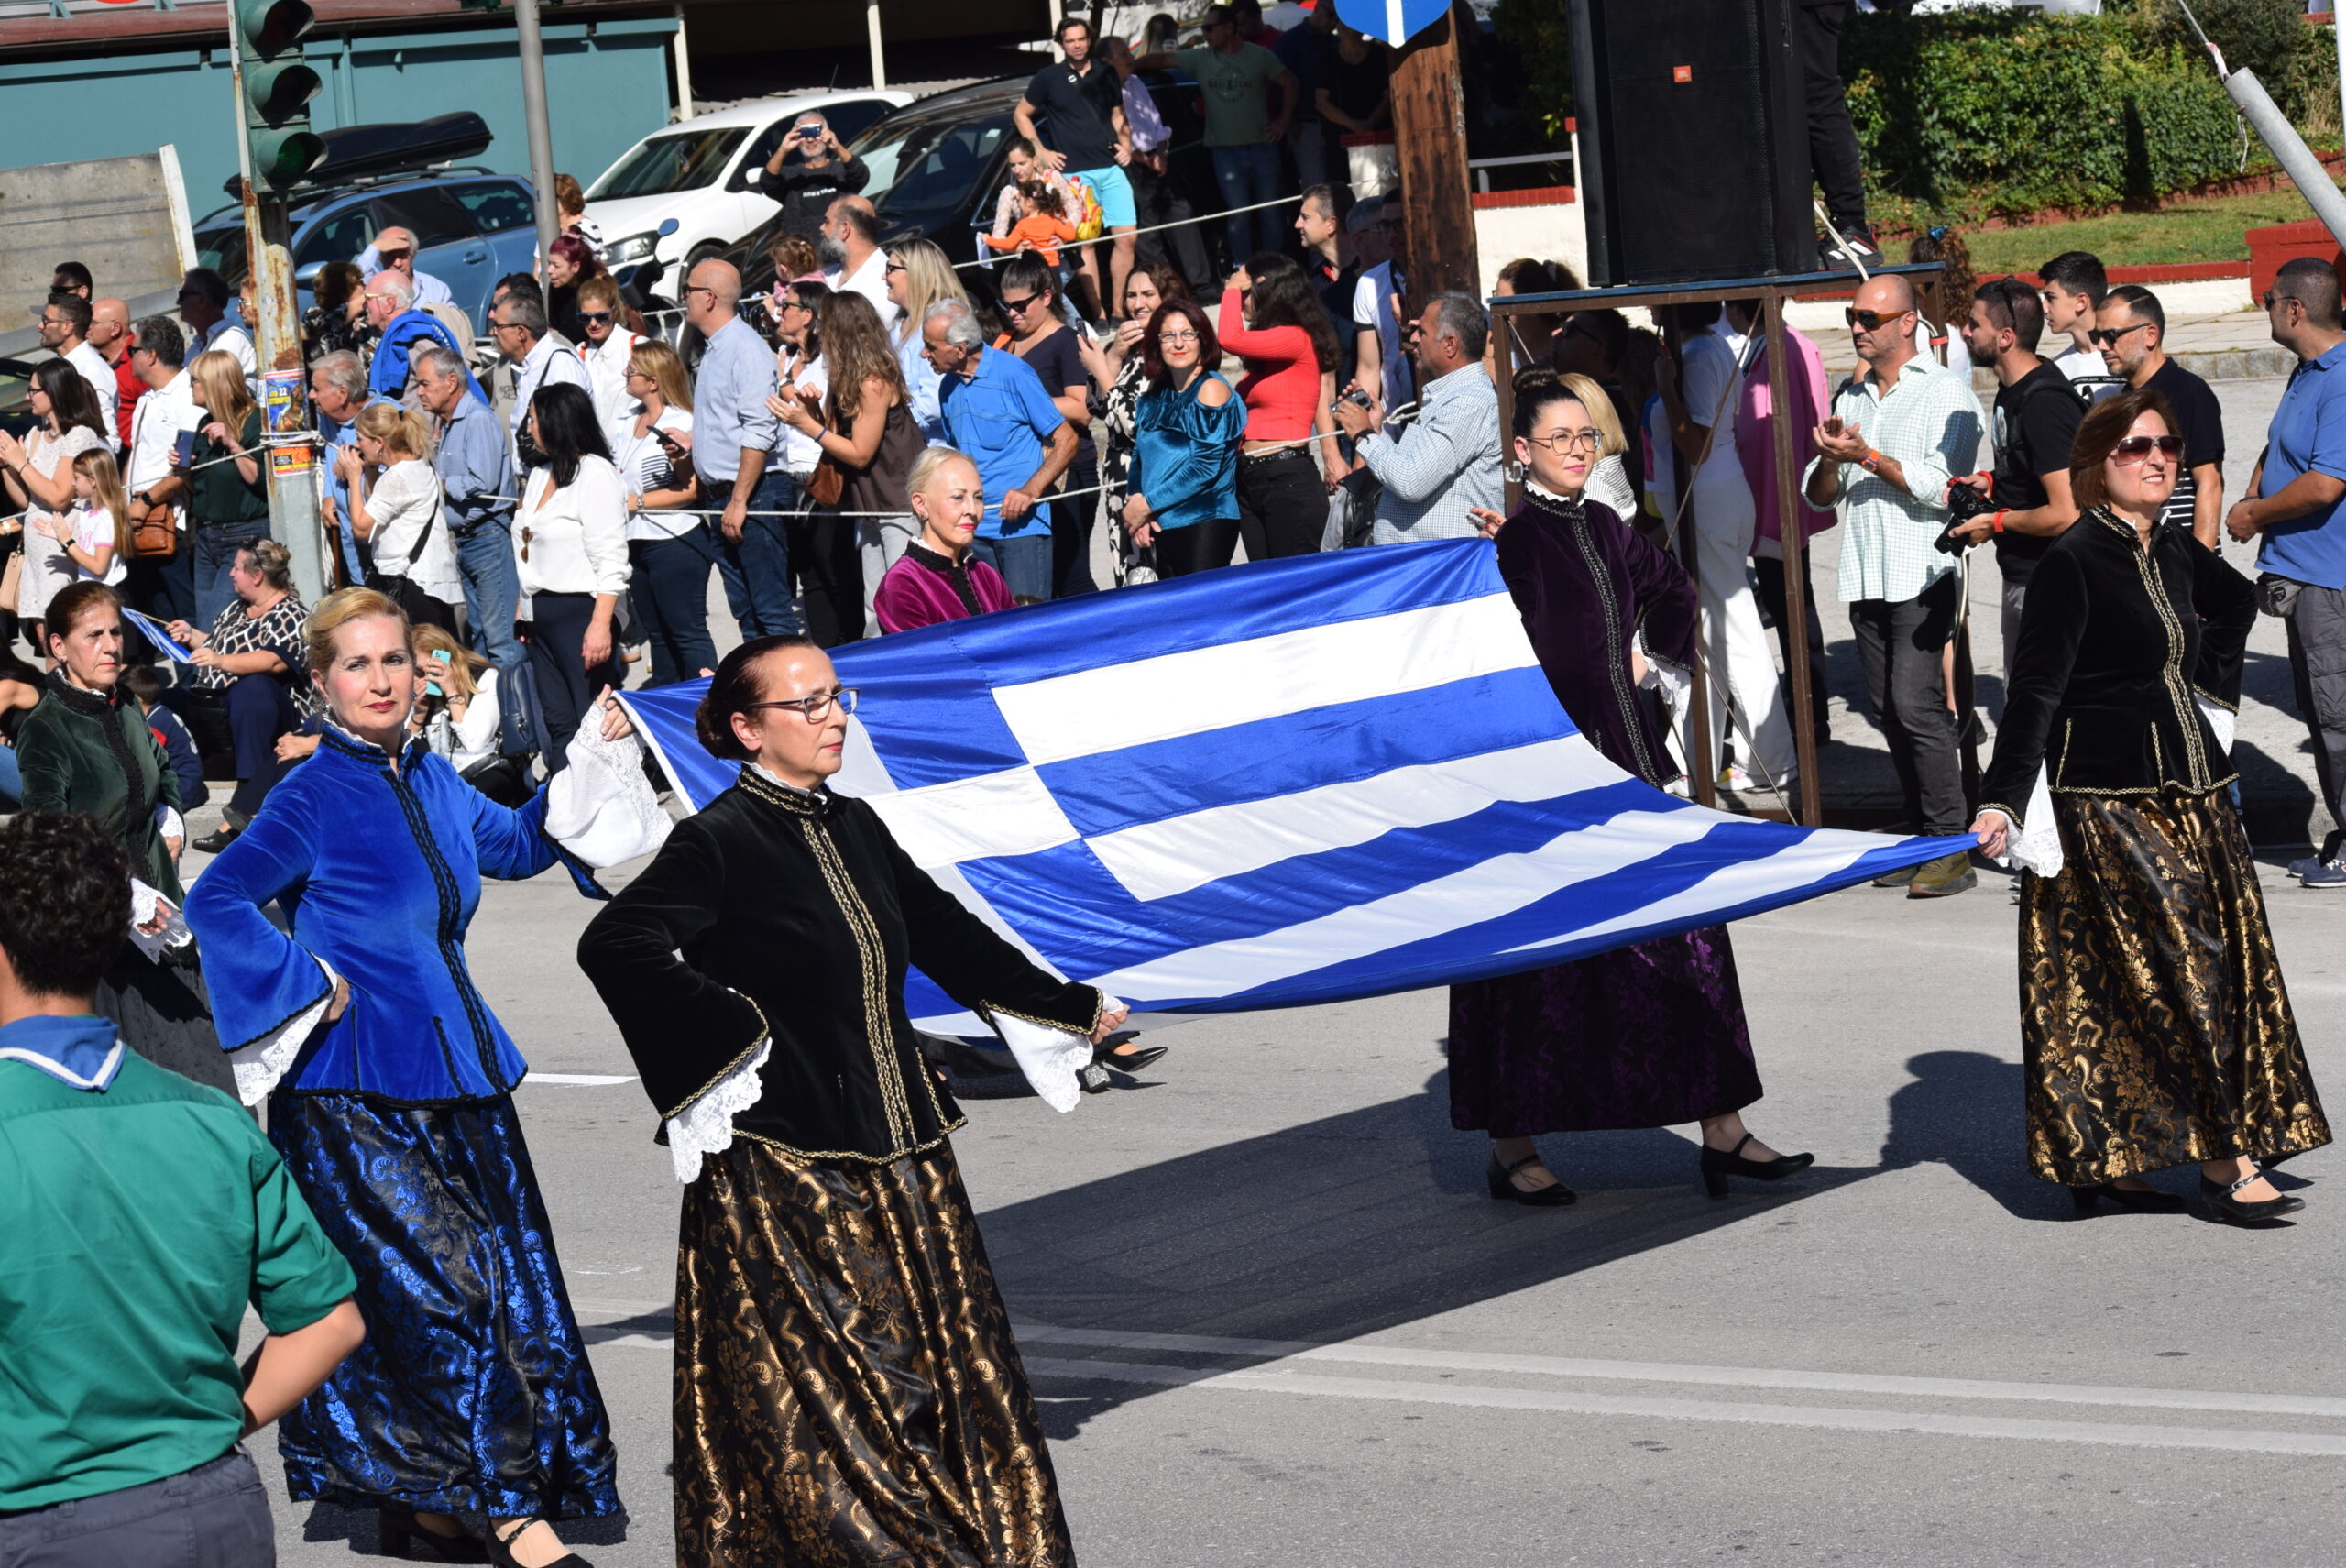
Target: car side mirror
{"x": 668, "y": 226}
{"x": 307, "y": 273}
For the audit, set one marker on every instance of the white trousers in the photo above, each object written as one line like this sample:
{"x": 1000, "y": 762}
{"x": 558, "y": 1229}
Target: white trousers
{"x": 1736, "y": 647}
{"x": 882, "y": 542}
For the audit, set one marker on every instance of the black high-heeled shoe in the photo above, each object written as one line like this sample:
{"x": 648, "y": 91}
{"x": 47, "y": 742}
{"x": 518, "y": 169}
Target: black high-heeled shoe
{"x": 2135, "y": 1200}
{"x": 1112, "y": 1053}
{"x": 502, "y": 1555}
{"x": 396, "y": 1529}
{"x": 1499, "y": 1178}
{"x": 2224, "y": 1203}
{"x": 1720, "y": 1164}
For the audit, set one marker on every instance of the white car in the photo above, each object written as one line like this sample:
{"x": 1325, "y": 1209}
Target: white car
{"x": 703, "y": 172}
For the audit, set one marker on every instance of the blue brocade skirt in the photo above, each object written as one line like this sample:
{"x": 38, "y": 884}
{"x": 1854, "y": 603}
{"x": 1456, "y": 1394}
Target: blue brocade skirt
{"x": 472, "y": 1393}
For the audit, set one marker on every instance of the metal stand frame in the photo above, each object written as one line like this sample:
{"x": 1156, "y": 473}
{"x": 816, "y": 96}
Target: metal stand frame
{"x": 1771, "y": 292}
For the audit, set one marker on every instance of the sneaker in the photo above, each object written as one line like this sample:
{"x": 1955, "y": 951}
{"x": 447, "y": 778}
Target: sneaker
{"x": 2328, "y": 874}
{"x": 1735, "y": 778}
{"x": 1858, "y": 249}
{"x": 1943, "y": 877}
{"x": 1901, "y": 877}
{"x": 2311, "y": 862}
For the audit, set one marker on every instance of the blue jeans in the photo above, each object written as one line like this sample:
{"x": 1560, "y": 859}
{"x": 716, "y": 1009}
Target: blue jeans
{"x": 1023, "y": 560}
{"x": 755, "y": 568}
{"x": 492, "y": 589}
{"x": 670, "y": 591}
{"x": 12, "y": 786}
{"x": 215, "y": 546}
{"x": 1248, "y": 175}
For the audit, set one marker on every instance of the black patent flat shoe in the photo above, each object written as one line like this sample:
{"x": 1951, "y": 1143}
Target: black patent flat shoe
{"x": 398, "y": 1530}
{"x": 502, "y": 1554}
{"x": 2087, "y": 1199}
{"x": 1719, "y": 1164}
{"x": 219, "y": 839}
{"x": 1500, "y": 1179}
{"x": 2225, "y": 1204}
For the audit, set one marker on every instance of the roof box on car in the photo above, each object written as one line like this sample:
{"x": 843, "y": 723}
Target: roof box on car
{"x": 410, "y": 146}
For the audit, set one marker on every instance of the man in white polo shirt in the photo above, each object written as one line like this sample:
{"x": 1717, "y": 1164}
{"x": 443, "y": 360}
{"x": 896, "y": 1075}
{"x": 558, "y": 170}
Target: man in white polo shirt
{"x": 849, "y": 249}
{"x": 164, "y": 588}
{"x": 65, "y": 332}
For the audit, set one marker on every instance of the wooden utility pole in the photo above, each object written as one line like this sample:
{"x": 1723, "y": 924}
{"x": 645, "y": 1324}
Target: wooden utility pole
{"x": 1430, "y": 139}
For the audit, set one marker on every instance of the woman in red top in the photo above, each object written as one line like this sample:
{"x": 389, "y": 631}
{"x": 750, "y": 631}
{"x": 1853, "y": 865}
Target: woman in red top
{"x": 1289, "y": 349}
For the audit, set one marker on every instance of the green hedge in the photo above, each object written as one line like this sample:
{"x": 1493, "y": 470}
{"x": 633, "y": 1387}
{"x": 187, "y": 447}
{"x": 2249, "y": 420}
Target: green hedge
{"x": 1976, "y": 114}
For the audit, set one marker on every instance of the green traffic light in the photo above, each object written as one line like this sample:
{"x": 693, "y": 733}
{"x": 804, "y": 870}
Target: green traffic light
{"x": 269, "y": 26}
{"x": 281, "y": 159}
{"x": 277, "y": 92}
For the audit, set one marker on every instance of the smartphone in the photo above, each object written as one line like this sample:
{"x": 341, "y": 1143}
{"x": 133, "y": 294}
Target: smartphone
{"x": 1355, "y": 396}
{"x": 183, "y": 450}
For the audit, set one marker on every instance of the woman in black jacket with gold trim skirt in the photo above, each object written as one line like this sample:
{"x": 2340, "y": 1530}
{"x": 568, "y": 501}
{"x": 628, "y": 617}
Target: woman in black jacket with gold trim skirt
{"x": 847, "y": 1390}
{"x": 2155, "y": 1026}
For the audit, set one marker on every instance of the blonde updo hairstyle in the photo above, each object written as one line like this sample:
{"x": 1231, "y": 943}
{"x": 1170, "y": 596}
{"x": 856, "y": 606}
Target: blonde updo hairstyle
{"x": 402, "y": 431}
{"x": 338, "y": 610}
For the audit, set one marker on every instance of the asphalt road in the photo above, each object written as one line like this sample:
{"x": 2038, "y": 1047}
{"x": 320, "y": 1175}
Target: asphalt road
{"x": 1273, "y": 1319}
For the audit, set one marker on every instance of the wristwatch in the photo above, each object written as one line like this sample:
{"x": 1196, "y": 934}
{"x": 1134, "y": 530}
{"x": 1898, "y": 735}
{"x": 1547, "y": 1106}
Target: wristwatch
{"x": 144, "y": 498}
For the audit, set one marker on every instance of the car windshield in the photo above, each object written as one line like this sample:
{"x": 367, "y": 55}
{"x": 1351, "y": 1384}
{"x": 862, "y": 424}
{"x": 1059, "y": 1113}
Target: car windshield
{"x": 663, "y": 165}
{"x": 929, "y": 166}
{"x": 222, "y": 249}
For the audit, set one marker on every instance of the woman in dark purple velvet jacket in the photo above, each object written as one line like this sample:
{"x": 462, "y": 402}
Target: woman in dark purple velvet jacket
{"x": 1647, "y": 1036}
{"x": 936, "y": 578}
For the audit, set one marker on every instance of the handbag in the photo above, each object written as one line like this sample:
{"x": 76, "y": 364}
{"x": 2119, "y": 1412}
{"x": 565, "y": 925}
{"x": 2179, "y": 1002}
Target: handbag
{"x": 827, "y": 483}
{"x": 155, "y": 537}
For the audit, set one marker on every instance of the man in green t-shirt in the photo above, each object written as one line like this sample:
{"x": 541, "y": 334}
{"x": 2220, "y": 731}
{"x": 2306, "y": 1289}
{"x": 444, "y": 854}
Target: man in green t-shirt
{"x": 1236, "y": 78}
{"x": 140, "y": 1213}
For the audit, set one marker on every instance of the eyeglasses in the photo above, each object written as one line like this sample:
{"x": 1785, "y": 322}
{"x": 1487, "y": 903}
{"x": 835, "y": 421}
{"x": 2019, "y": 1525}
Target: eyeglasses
{"x": 594, "y": 318}
{"x": 793, "y": 302}
{"x": 817, "y": 708}
{"x": 692, "y": 289}
{"x": 894, "y": 265}
{"x": 1570, "y": 440}
{"x": 1172, "y": 337}
{"x": 1870, "y": 320}
{"x": 2109, "y": 339}
{"x": 2272, "y": 298}
{"x": 1019, "y": 307}
{"x": 392, "y": 258}
{"x": 2134, "y": 448}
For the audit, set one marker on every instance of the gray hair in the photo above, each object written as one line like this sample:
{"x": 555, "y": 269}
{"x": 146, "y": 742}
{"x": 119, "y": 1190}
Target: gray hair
{"x": 521, "y": 311}
{"x": 341, "y": 368}
{"x": 960, "y": 323}
{"x": 396, "y": 284}
{"x": 931, "y": 459}
{"x": 1461, "y": 316}
{"x": 442, "y": 358}
{"x": 159, "y": 336}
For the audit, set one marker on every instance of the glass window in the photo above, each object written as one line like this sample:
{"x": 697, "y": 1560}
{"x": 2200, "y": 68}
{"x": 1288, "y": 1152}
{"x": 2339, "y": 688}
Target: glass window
{"x": 849, "y": 121}
{"x": 433, "y": 215}
{"x": 931, "y": 167}
{"x": 497, "y": 205}
{"x": 222, "y": 249}
{"x": 339, "y": 238}
{"x": 684, "y": 162}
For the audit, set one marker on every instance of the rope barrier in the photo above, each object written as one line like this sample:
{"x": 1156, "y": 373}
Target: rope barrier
{"x": 1134, "y": 234}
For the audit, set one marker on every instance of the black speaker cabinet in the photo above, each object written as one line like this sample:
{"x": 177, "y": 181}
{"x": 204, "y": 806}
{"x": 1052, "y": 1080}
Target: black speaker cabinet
{"x": 1694, "y": 140}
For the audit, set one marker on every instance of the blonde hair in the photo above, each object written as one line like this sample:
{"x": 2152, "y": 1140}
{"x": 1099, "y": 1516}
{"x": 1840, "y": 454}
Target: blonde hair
{"x": 926, "y": 465}
{"x": 666, "y": 367}
{"x": 105, "y": 481}
{"x": 399, "y": 429}
{"x": 929, "y": 280}
{"x": 338, "y": 610}
{"x": 1601, "y": 413}
{"x": 463, "y": 662}
{"x": 225, "y": 396}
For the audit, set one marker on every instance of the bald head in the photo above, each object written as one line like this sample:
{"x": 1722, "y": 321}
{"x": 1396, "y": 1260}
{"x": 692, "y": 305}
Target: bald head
{"x": 711, "y": 291}
{"x": 1887, "y": 293}
{"x": 109, "y": 331}
{"x": 720, "y": 278}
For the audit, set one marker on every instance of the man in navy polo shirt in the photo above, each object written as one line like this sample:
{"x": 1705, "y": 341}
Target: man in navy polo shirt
{"x": 1082, "y": 100}
{"x": 2293, "y": 503}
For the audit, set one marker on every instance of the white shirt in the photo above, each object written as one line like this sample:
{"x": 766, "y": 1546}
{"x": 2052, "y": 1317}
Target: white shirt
{"x": 410, "y": 534}
{"x": 643, "y": 467}
{"x": 92, "y": 368}
{"x": 229, "y": 338}
{"x": 796, "y": 451}
{"x": 2087, "y": 372}
{"x": 429, "y": 291}
{"x": 1711, "y": 391}
{"x": 870, "y": 280}
{"x": 93, "y": 529}
{"x": 1372, "y": 310}
{"x": 471, "y": 740}
{"x": 549, "y": 363}
{"x": 162, "y": 416}
{"x": 573, "y": 540}
{"x": 607, "y": 374}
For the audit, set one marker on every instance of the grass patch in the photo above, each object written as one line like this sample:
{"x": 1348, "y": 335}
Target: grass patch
{"x": 2184, "y": 231}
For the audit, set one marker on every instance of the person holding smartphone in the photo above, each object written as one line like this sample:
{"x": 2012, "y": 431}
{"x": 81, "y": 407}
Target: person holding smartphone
{"x": 807, "y": 171}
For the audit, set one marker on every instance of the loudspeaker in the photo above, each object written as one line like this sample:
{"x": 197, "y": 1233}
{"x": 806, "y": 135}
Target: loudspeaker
{"x": 1694, "y": 140}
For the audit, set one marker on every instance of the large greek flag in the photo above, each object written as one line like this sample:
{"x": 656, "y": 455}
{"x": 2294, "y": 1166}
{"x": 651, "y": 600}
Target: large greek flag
{"x": 1302, "y": 780}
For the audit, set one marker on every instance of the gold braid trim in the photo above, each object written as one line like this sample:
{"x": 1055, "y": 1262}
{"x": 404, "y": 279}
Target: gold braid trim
{"x": 766, "y": 1033}
{"x": 880, "y": 1033}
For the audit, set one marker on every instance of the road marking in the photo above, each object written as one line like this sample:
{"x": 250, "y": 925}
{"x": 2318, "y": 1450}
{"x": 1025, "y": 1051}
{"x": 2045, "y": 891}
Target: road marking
{"x": 581, "y": 1079}
{"x": 1663, "y": 1372}
{"x": 2320, "y": 1444}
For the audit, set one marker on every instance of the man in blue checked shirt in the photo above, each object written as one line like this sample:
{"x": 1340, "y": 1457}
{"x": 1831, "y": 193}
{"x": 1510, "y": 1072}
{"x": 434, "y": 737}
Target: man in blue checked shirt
{"x": 732, "y": 441}
{"x": 997, "y": 410}
{"x": 1445, "y": 465}
{"x": 473, "y": 462}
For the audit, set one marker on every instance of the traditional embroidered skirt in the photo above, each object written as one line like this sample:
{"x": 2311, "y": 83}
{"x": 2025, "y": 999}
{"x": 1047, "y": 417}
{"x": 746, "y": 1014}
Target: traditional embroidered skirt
{"x": 165, "y": 1014}
{"x": 473, "y": 1391}
{"x": 846, "y": 1390}
{"x": 2154, "y": 1027}
{"x": 1647, "y": 1036}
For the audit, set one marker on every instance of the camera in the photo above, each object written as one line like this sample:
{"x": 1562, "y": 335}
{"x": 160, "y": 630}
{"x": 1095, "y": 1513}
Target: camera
{"x": 1355, "y": 396}
{"x": 1963, "y": 503}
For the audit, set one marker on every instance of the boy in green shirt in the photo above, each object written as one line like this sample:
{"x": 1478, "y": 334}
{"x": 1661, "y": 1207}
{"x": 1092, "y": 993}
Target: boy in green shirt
{"x": 140, "y": 1212}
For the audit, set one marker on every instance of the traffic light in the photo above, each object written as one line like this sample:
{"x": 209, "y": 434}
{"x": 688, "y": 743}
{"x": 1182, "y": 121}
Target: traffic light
{"x": 278, "y": 85}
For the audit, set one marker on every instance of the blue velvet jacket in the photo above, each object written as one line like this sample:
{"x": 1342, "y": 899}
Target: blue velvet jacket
{"x": 378, "y": 871}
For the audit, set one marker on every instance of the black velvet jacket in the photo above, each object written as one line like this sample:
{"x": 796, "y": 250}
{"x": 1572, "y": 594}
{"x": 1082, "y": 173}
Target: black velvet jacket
{"x": 2113, "y": 641}
{"x": 794, "y": 912}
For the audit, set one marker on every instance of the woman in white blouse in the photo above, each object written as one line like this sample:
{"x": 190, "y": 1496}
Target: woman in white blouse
{"x": 604, "y": 318}
{"x": 36, "y": 474}
{"x": 395, "y": 508}
{"x": 570, "y": 545}
{"x": 670, "y": 548}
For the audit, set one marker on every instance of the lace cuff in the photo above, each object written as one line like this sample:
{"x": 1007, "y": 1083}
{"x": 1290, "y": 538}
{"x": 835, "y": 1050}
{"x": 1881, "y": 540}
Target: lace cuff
{"x": 145, "y": 902}
{"x": 259, "y": 1066}
{"x": 2220, "y": 719}
{"x": 705, "y": 1126}
{"x": 2037, "y": 847}
{"x": 601, "y": 807}
{"x": 1050, "y": 1057}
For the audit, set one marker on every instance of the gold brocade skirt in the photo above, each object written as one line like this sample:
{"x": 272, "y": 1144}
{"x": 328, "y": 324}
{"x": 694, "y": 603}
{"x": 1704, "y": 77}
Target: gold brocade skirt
{"x": 2154, "y": 1027}
{"x": 846, "y": 1390}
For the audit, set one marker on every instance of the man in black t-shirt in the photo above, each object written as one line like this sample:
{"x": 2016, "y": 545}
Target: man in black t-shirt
{"x": 1082, "y": 102}
{"x": 2130, "y": 328}
{"x": 2035, "y": 424}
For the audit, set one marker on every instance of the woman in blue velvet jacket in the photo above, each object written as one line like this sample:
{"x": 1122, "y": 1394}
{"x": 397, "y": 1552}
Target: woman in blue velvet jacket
{"x": 388, "y": 1081}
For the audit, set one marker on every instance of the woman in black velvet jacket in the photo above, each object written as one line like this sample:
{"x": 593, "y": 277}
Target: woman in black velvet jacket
{"x": 2153, "y": 1023}
{"x": 847, "y": 1390}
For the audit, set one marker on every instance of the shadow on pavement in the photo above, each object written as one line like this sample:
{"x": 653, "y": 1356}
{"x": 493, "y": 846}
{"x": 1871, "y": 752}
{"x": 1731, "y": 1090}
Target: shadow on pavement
{"x": 1963, "y": 1111}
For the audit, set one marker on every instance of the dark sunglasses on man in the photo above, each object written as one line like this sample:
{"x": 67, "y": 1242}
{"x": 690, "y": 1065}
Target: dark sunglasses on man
{"x": 1871, "y": 321}
{"x": 2108, "y": 337}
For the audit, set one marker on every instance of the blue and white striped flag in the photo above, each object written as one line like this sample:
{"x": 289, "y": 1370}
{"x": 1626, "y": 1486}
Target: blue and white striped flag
{"x": 1303, "y": 781}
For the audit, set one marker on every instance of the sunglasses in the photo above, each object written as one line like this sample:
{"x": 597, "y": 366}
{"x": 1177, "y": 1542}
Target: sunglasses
{"x": 1019, "y": 307}
{"x": 2134, "y": 448}
{"x": 2272, "y": 298}
{"x": 1870, "y": 320}
{"x": 392, "y": 258}
{"x": 593, "y": 317}
{"x": 2108, "y": 339}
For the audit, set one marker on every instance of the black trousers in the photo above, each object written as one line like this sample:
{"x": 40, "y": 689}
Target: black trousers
{"x": 1282, "y": 505}
{"x": 1158, "y": 199}
{"x": 1199, "y": 547}
{"x": 1899, "y": 643}
{"x": 1832, "y": 139}
{"x": 566, "y": 687}
{"x": 1770, "y": 571}
{"x": 829, "y": 564}
{"x": 1071, "y": 532}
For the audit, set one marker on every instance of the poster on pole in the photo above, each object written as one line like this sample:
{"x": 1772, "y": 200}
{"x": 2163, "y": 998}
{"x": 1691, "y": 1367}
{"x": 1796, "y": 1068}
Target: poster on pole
{"x": 281, "y": 392}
